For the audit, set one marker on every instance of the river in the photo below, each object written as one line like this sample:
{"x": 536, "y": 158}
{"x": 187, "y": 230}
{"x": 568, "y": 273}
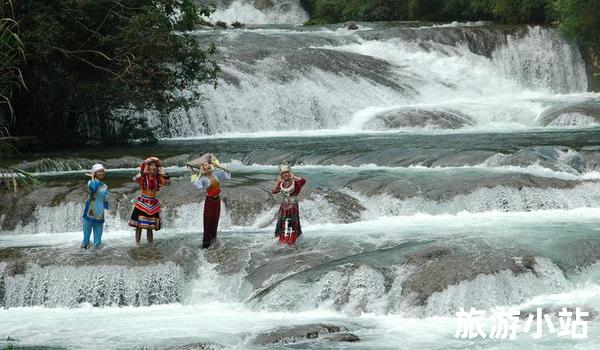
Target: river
{"x": 449, "y": 166}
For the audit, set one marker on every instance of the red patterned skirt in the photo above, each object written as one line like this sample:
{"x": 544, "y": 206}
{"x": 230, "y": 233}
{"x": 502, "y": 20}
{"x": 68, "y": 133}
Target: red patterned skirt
{"x": 288, "y": 227}
{"x": 146, "y": 213}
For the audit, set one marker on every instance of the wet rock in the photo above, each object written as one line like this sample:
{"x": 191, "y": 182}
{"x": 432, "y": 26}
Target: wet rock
{"x": 551, "y": 157}
{"x": 349, "y": 208}
{"x": 482, "y": 40}
{"x": 293, "y": 334}
{"x": 237, "y": 25}
{"x": 2, "y": 287}
{"x": 246, "y": 202}
{"x": 197, "y": 346}
{"x": 262, "y": 268}
{"x": 351, "y": 26}
{"x": 227, "y": 259}
{"x": 447, "y": 188}
{"x": 18, "y": 208}
{"x": 437, "y": 267}
{"x": 574, "y": 115}
{"x": 342, "y": 337}
{"x": 591, "y": 160}
{"x": 368, "y": 67}
{"x": 419, "y": 118}
{"x": 263, "y": 4}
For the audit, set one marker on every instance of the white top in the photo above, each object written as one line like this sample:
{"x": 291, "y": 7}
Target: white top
{"x": 204, "y": 182}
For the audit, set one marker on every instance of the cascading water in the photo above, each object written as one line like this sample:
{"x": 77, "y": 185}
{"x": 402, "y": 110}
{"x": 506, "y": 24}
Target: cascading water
{"x": 449, "y": 166}
{"x": 342, "y": 80}
{"x": 260, "y": 12}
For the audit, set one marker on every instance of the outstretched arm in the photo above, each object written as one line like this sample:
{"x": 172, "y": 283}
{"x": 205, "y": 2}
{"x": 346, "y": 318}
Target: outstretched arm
{"x": 93, "y": 185}
{"x": 200, "y": 182}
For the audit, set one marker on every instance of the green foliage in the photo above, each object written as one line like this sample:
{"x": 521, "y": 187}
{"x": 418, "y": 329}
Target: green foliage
{"x": 510, "y": 11}
{"x": 332, "y": 11}
{"x": 520, "y": 11}
{"x": 92, "y": 65}
{"x": 579, "y": 19}
{"x": 11, "y": 55}
{"x": 11, "y": 80}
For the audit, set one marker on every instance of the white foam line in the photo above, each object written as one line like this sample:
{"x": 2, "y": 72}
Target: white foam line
{"x": 236, "y": 166}
{"x": 466, "y": 219}
{"x": 494, "y": 222}
{"x": 507, "y": 128}
{"x": 427, "y": 224}
{"x": 582, "y": 296}
{"x": 118, "y": 238}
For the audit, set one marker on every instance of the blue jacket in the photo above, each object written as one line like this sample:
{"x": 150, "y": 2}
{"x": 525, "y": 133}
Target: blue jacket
{"x": 96, "y": 202}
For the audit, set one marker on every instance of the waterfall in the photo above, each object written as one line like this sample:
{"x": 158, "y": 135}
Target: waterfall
{"x": 324, "y": 79}
{"x": 68, "y": 286}
{"x": 543, "y": 60}
{"x": 260, "y": 12}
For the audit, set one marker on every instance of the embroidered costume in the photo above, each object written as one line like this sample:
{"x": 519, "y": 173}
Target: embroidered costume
{"x": 288, "y": 227}
{"x": 212, "y": 203}
{"x": 146, "y": 208}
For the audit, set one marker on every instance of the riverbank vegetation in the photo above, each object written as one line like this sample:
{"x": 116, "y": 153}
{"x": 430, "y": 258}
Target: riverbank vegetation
{"x": 576, "y": 18}
{"x": 91, "y": 67}
{"x": 78, "y": 72}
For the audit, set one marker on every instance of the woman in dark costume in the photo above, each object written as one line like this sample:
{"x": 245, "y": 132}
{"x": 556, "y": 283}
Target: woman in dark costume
{"x": 288, "y": 221}
{"x": 146, "y": 208}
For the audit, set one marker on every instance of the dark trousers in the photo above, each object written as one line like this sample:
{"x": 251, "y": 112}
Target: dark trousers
{"x": 212, "y": 211}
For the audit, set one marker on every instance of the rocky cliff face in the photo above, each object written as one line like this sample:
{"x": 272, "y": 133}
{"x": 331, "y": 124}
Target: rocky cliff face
{"x": 592, "y": 62}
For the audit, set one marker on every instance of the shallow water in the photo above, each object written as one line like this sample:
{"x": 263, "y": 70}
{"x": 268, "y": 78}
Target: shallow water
{"x": 408, "y": 215}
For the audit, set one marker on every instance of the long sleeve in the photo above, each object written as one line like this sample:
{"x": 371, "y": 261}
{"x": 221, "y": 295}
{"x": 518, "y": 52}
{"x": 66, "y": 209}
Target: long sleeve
{"x": 200, "y": 182}
{"x": 301, "y": 182}
{"x": 106, "y": 193}
{"x": 139, "y": 179}
{"x": 277, "y": 188}
{"x": 222, "y": 175}
{"x": 93, "y": 186}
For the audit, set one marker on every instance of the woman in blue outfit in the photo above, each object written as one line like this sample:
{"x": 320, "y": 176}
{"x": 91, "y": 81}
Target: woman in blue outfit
{"x": 96, "y": 202}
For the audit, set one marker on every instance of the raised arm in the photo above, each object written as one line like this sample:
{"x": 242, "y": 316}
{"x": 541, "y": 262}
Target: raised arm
{"x": 276, "y": 188}
{"x": 223, "y": 168}
{"x": 223, "y": 174}
{"x": 301, "y": 180}
{"x": 139, "y": 179}
{"x": 200, "y": 182}
{"x": 93, "y": 185}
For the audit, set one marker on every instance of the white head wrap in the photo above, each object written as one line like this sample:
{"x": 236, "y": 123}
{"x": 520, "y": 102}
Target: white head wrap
{"x": 97, "y": 167}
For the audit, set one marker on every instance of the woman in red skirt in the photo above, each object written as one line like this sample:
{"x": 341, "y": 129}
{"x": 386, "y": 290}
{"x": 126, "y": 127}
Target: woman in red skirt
{"x": 288, "y": 222}
{"x": 146, "y": 208}
{"x": 210, "y": 179}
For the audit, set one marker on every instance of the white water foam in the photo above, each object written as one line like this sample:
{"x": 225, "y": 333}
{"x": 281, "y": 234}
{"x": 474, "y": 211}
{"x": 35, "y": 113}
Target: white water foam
{"x": 244, "y": 11}
{"x": 69, "y": 286}
{"x": 505, "y": 92}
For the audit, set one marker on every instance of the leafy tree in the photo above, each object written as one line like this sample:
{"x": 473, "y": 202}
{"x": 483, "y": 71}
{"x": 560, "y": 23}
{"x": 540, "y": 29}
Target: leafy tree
{"x": 520, "y": 11}
{"x": 93, "y": 65}
{"x": 11, "y": 54}
{"x": 579, "y": 19}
